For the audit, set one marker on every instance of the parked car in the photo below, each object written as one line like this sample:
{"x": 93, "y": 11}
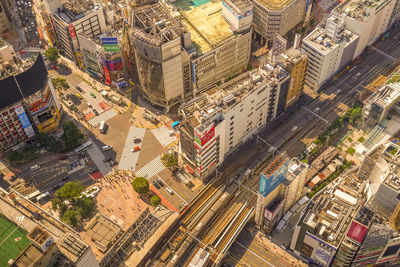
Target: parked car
{"x": 93, "y": 95}
{"x": 89, "y": 105}
{"x": 135, "y": 149}
{"x": 160, "y": 183}
{"x": 53, "y": 67}
{"x": 95, "y": 112}
{"x": 79, "y": 89}
{"x": 156, "y": 185}
{"x": 169, "y": 190}
{"x": 137, "y": 140}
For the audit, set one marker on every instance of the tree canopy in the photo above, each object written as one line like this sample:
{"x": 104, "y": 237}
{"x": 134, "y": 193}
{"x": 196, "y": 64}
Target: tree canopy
{"x": 48, "y": 142}
{"x": 72, "y": 135}
{"x": 140, "y": 185}
{"x": 155, "y": 201}
{"x": 60, "y": 83}
{"x": 71, "y": 203}
{"x": 52, "y": 54}
{"x": 169, "y": 160}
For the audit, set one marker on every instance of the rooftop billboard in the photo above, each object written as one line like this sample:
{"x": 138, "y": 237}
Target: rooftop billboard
{"x": 269, "y": 183}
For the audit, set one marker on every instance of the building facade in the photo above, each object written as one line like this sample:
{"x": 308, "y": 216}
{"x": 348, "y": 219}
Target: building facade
{"x": 271, "y": 17}
{"x": 328, "y": 49}
{"x": 31, "y": 106}
{"x": 220, "y": 119}
{"x": 73, "y": 17}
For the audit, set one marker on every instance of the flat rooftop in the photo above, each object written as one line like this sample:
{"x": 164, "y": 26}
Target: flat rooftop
{"x": 358, "y": 9}
{"x": 334, "y": 209}
{"x": 73, "y": 10}
{"x": 227, "y": 95}
{"x": 275, "y": 4}
{"x": 205, "y": 22}
{"x": 319, "y": 40}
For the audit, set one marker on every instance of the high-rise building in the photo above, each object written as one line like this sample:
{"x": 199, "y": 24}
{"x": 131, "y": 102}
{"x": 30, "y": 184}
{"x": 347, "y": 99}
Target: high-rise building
{"x": 294, "y": 62}
{"x": 328, "y": 49}
{"x": 374, "y": 243}
{"x": 368, "y": 19}
{"x": 355, "y": 235}
{"x": 329, "y": 220}
{"x": 220, "y": 119}
{"x": 31, "y": 105}
{"x": 71, "y": 17}
{"x": 378, "y": 105}
{"x": 391, "y": 254}
{"x": 271, "y": 17}
{"x": 214, "y": 48}
{"x": 4, "y": 21}
{"x": 163, "y": 66}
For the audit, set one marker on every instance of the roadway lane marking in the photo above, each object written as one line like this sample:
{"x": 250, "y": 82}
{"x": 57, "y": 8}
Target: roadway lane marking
{"x": 255, "y": 254}
{"x": 170, "y": 187}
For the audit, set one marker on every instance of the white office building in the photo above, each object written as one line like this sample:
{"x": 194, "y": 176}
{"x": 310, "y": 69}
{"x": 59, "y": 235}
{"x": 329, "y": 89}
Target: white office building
{"x": 220, "y": 119}
{"x": 328, "y": 49}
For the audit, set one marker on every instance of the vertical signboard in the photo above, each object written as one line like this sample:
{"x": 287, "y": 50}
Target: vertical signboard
{"x": 71, "y": 31}
{"x": 24, "y": 120}
{"x": 268, "y": 184}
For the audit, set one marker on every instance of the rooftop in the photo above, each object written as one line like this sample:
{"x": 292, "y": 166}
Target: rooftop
{"x": 334, "y": 209}
{"x": 387, "y": 94}
{"x": 219, "y": 99}
{"x": 204, "y": 20}
{"x": 24, "y": 84}
{"x": 275, "y": 4}
{"x": 73, "y": 10}
{"x": 321, "y": 41}
{"x": 72, "y": 247}
{"x": 359, "y": 9}
{"x": 102, "y": 231}
{"x": 154, "y": 24}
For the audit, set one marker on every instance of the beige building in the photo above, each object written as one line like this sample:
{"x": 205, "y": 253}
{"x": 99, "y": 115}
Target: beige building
{"x": 295, "y": 62}
{"x": 278, "y": 16}
{"x": 188, "y": 47}
{"x": 4, "y": 22}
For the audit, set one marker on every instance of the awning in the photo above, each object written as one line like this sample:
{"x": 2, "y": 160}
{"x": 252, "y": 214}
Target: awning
{"x": 190, "y": 170}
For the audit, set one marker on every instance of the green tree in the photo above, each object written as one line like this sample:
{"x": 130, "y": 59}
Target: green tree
{"x": 85, "y": 206}
{"x": 52, "y": 54}
{"x": 60, "y": 83}
{"x": 14, "y": 156}
{"x": 303, "y": 30}
{"x": 70, "y": 217}
{"x": 155, "y": 201}
{"x": 169, "y": 160}
{"x": 312, "y": 22}
{"x": 140, "y": 185}
{"x": 72, "y": 135}
{"x": 48, "y": 142}
{"x": 351, "y": 150}
{"x": 70, "y": 191}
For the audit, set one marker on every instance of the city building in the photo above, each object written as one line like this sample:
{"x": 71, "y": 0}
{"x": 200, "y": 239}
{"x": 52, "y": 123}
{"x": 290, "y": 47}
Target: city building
{"x": 355, "y": 235}
{"x": 69, "y": 18}
{"x": 101, "y": 57}
{"x": 294, "y": 62}
{"x": 367, "y": 19}
{"x": 374, "y": 243}
{"x": 214, "y": 48}
{"x": 163, "y": 67}
{"x": 328, "y": 49}
{"x": 391, "y": 253}
{"x": 271, "y": 17}
{"x": 31, "y": 105}
{"x": 281, "y": 186}
{"x": 329, "y": 220}
{"x": 220, "y": 119}
{"x": 377, "y": 106}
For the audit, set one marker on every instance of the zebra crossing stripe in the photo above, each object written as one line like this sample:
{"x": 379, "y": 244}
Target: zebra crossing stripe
{"x": 152, "y": 168}
{"x": 103, "y": 117}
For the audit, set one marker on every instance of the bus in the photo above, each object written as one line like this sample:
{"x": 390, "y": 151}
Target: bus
{"x": 174, "y": 125}
{"x": 33, "y": 195}
{"x": 102, "y": 127}
{"x": 83, "y": 147}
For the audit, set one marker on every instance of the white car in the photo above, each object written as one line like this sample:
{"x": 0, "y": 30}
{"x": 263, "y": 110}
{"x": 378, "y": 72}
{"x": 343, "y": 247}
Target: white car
{"x": 169, "y": 190}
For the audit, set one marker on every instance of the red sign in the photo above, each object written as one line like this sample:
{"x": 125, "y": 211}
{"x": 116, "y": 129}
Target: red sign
{"x": 107, "y": 75}
{"x": 208, "y": 135}
{"x": 357, "y": 232}
{"x": 72, "y": 31}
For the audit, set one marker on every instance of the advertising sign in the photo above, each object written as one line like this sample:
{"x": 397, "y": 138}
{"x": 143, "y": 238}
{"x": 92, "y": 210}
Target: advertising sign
{"x": 322, "y": 256}
{"x": 111, "y": 48}
{"x": 24, "y": 120}
{"x": 203, "y": 137}
{"x": 357, "y": 232}
{"x": 71, "y": 31}
{"x": 115, "y": 65}
{"x": 107, "y": 75}
{"x": 268, "y": 184}
{"x": 110, "y": 44}
{"x": 208, "y": 135}
{"x": 270, "y": 214}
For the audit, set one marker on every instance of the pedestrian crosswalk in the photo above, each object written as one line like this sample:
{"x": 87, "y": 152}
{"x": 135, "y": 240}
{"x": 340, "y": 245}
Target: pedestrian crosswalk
{"x": 103, "y": 117}
{"x": 152, "y": 168}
